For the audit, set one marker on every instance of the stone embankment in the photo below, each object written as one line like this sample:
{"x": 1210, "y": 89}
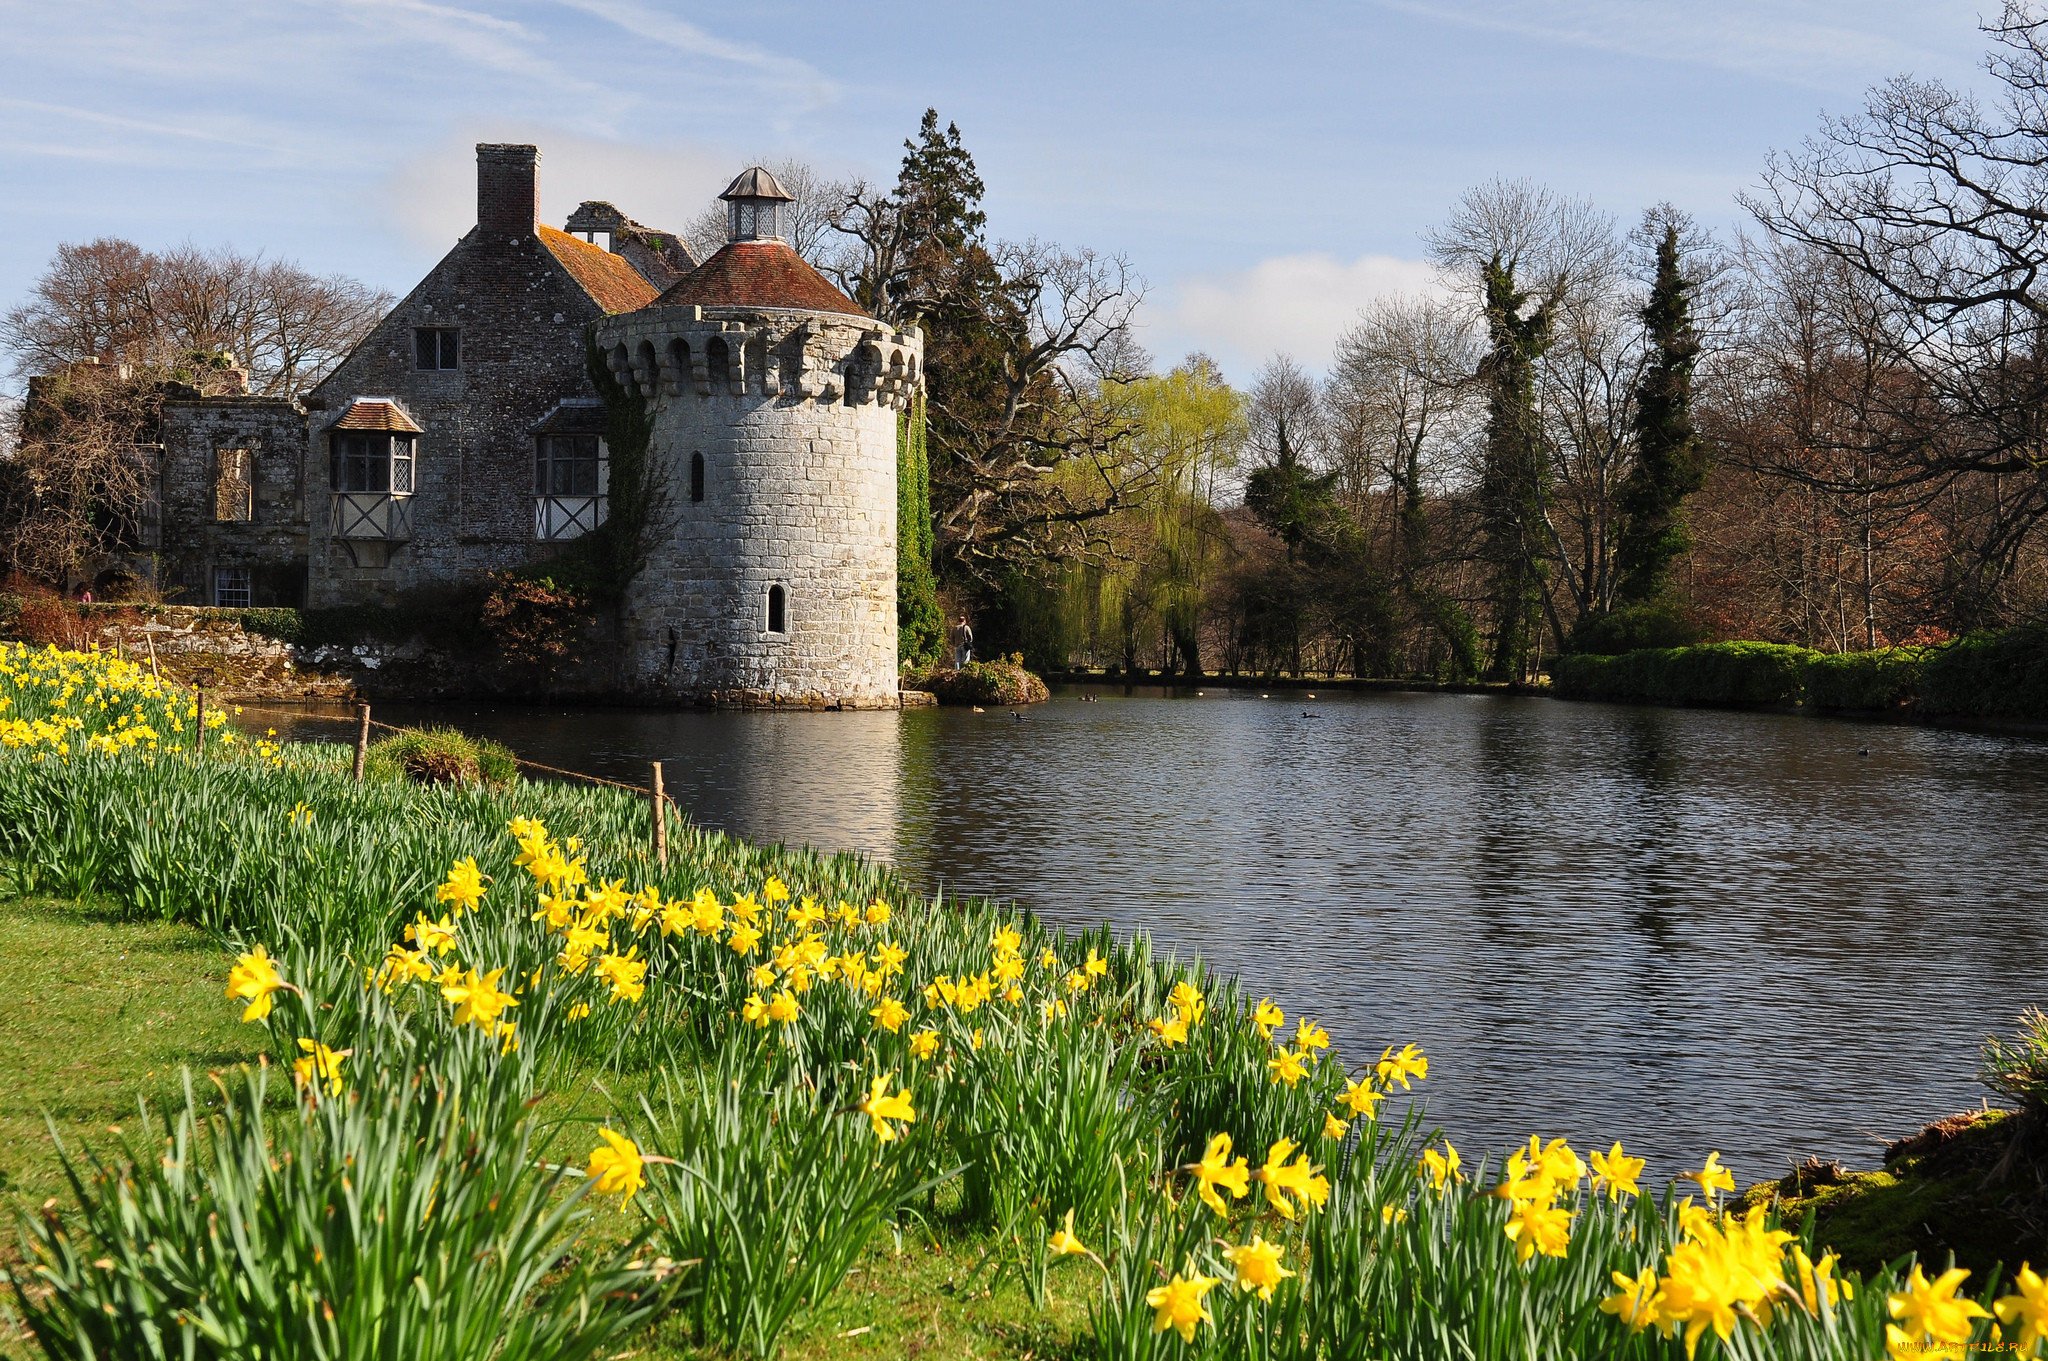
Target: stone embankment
{"x": 215, "y": 649}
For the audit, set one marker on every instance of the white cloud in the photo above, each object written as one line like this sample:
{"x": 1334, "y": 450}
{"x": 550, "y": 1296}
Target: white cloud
{"x": 1293, "y": 304}
{"x": 433, "y": 195}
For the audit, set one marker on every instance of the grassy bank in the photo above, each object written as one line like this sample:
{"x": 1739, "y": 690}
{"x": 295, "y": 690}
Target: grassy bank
{"x": 574, "y": 1101}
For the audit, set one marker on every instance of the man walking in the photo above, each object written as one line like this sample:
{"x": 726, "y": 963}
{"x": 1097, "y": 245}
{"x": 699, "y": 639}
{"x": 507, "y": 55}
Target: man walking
{"x": 962, "y": 639}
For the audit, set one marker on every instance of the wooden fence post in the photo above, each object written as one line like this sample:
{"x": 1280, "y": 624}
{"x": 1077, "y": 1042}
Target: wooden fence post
{"x": 199, "y": 696}
{"x": 660, "y": 810}
{"x": 362, "y": 738}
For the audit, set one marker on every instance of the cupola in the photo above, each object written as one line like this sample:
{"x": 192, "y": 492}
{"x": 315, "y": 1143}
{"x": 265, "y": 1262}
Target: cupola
{"x": 757, "y": 208}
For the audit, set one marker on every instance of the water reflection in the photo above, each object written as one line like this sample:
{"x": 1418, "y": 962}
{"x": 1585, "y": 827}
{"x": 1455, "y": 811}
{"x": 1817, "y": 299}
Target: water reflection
{"x": 1684, "y": 929}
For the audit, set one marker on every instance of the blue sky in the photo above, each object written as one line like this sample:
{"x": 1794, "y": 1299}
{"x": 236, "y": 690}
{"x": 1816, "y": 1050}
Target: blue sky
{"x": 1267, "y": 168}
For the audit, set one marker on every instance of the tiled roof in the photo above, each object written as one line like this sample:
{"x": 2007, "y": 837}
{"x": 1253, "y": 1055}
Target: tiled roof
{"x": 611, "y": 283}
{"x": 758, "y": 274}
{"x": 375, "y": 413}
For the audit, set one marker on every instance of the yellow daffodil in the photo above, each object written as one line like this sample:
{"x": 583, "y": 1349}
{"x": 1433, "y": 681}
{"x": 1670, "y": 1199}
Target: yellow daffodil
{"x": 1047, "y": 960}
{"x": 1333, "y": 1128}
{"x": 1400, "y": 1067}
{"x": 1393, "y": 1214}
{"x": 1258, "y": 1266}
{"x": 746, "y": 908}
{"x": 1063, "y": 1241}
{"x": 403, "y": 966}
{"x": 889, "y": 958}
{"x": 925, "y": 1043}
{"x": 1287, "y": 1067}
{"x": 1536, "y": 1227}
{"x": 1442, "y": 1167}
{"x": 846, "y": 914}
{"x": 255, "y": 977}
{"x": 438, "y": 936}
{"x": 707, "y": 916}
{"x": 754, "y": 1011}
{"x": 627, "y": 975}
{"x": 1169, "y": 1033}
{"x": 1615, "y": 1172}
{"x": 1713, "y": 1178}
{"x": 1096, "y": 966}
{"x": 775, "y": 891}
{"x": 1267, "y": 1017}
{"x": 2025, "y": 1309}
{"x": 1298, "y": 1179}
{"x": 1310, "y": 1036}
{"x": 577, "y": 1012}
{"x": 1188, "y": 1001}
{"x": 806, "y": 915}
{"x": 1216, "y": 1169}
{"x": 890, "y": 1015}
{"x": 743, "y": 938}
{"x": 477, "y": 999}
{"x": 616, "y": 1166}
{"x": 783, "y": 1007}
{"x": 877, "y": 913}
{"x": 1636, "y": 1305}
{"x": 881, "y": 1108}
{"x": 1817, "y": 1284}
{"x": 321, "y": 1064}
{"x": 464, "y": 886}
{"x": 1178, "y": 1306}
{"x": 1006, "y": 941}
{"x": 762, "y": 976}
{"x": 1929, "y": 1314}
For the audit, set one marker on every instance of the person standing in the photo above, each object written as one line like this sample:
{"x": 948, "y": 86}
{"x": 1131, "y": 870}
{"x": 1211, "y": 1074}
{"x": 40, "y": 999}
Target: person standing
{"x": 962, "y": 639}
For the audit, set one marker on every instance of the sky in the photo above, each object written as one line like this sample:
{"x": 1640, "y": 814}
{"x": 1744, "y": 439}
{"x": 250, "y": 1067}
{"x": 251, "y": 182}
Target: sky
{"x": 1268, "y": 169}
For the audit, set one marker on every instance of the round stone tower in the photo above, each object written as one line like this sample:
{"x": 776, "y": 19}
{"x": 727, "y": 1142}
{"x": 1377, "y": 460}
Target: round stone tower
{"x": 770, "y": 574}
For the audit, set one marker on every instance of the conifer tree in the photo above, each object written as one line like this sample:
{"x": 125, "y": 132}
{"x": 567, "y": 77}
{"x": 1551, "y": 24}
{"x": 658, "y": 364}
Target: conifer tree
{"x": 1512, "y": 486}
{"x": 920, "y": 627}
{"x": 1671, "y": 462}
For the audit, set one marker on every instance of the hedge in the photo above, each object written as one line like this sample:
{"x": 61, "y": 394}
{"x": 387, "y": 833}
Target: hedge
{"x": 1988, "y": 675}
{"x": 1884, "y": 679}
{"x": 1714, "y": 673}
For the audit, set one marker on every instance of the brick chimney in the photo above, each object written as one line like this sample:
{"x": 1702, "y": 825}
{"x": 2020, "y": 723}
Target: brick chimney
{"x": 505, "y": 192}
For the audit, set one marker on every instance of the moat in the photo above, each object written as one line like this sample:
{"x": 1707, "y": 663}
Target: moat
{"x": 1685, "y": 929}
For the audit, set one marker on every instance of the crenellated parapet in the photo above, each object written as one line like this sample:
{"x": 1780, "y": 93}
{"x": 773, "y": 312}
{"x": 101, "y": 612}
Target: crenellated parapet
{"x": 790, "y": 356}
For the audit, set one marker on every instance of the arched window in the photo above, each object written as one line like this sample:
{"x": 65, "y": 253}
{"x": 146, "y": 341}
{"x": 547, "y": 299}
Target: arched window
{"x": 696, "y": 477}
{"x": 778, "y": 610}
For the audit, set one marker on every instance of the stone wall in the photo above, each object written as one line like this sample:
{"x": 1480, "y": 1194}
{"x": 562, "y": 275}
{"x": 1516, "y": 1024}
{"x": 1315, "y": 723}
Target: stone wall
{"x": 271, "y": 545}
{"x": 794, "y": 415}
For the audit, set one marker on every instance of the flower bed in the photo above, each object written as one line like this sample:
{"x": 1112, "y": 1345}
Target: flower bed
{"x": 823, "y": 1049}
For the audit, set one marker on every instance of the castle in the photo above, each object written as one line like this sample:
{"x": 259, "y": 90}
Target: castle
{"x": 465, "y": 435}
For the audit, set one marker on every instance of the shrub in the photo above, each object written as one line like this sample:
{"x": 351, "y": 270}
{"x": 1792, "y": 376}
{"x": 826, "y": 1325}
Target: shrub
{"x": 1000, "y": 682}
{"x": 1988, "y": 675}
{"x": 533, "y": 621}
{"x": 285, "y": 625}
{"x": 44, "y": 619}
{"x": 441, "y": 756}
{"x": 1884, "y": 679}
{"x": 1715, "y": 673}
{"x": 1633, "y": 628}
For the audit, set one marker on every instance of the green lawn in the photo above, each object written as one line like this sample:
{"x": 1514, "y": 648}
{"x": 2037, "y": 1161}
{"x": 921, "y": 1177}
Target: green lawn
{"x": 96, "y": 1011}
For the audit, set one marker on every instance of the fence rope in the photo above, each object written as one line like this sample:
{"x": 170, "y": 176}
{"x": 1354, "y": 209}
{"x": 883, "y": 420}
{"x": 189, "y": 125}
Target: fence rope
{"x": 641, "y": 790}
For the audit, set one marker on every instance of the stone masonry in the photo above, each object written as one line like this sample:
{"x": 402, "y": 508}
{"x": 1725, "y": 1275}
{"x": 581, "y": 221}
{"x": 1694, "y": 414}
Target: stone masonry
{"x": 233, "y": 509}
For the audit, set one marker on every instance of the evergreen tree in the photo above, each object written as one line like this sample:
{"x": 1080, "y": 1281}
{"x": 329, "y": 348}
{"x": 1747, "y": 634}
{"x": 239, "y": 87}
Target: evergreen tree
{"x": 1671, "y": 462}
{"x": 920, "y": 627}
{"x": 1514, "y": 482}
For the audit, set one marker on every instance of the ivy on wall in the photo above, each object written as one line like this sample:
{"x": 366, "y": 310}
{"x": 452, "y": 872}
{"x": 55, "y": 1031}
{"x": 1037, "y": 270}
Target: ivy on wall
{"x": 920, "y": 627}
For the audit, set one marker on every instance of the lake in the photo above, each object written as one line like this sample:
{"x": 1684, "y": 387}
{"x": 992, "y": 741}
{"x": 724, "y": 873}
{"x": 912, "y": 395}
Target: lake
{"x": 1685, "y": 929}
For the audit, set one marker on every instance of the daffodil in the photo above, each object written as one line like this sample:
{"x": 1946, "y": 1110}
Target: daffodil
{"x": 1333, "y": 1128}
{"x": 877, "y": 913}
{"x": 775, "y": 891}
{"x": 321, "y": 1064}
{"x": 1258, "y": 1266}
{"x": 1006, "y": 941}
{"x": 438, "y": 936}
{"x": 627, "y": 975}
{"x": 1169, "y": 1033}
{"x": 882, "y": 1108}
{"x": 1636, "y": 1305}
{"x": 925, "y": 1043}
{"x": 746, "y": 909}
{"x": 754, "y": 1011}
{"x": 783, "y": 1007}
{"x": 255, "y": 977}
{"x": 1929, "y": 1313}
{"x": 1400, "y": 1067}
{"x": 1216, "y": 1169}
{"x": 1287, "y": 1067}
{"x": 2026, "y": 1309}
{"x": 890, "y": 1015}
{"x": 1440, "y": 1167}
{"x": 464, "y": 886}
{"x": 1536, "y": 1227}
{"x": 743, "y": 938}
{"x": 1360, "y": 1097}
{"x": 1267, "y": 1017}
{"x": 1297, "y": 1179}
{"x": 477, "y": 998}
{"x": 707, "y": 916}
{"x": 1063, "y": 1241}
{"x": 1615, "y": 1172}
{"x": 1713, "y": 1178}
{"x": 617, "y": 1166}
{"x": 1177, "y": 1306}
{"x": 1309, "y": 1036}
{"x": 1817, "y": 1284}
{"x": 1188, "y": 1001}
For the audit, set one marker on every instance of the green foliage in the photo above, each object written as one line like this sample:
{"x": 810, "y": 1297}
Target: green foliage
{"x": 774, "y": 1194}
{"x": 1988, "y": 675}
{"x": 1671, "y": 459}
{"x": 1884, "y": 679}
{"x": 285, "y": 625}
{"x": 409, "y": 1218}
{"x": 1714, "y": 673}
{"x": 1630, "y": 628}
{"x": 1000, "y": 682}
{"x": 440, "y": 756}
{"x": 920, "y": 625}
{"x": 2018, "y": 1068}
{"x": 534, "y": 621}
